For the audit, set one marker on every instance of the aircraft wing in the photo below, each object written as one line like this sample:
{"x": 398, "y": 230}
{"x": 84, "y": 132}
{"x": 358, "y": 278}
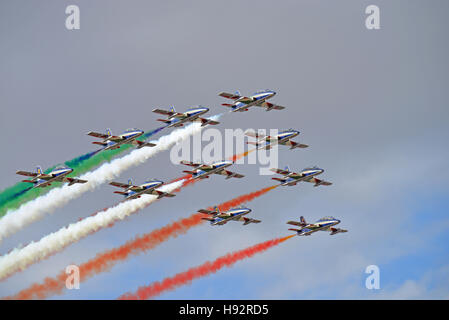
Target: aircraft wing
{"x": 73, "y": 180}
{"x": 126, "y": 186}
{"x": 296, "y": 223}
{"x": 280, "y": 171}
{"x": 161, "y": 194}
{"x": 319, "y": 182}
{"x": 206, "y": 121}
{"x": 190, "y": 163}
{"x": 97, "y": 135}
{"x": 254, "y": 134}
{"x": 293, "y": 144}
{"x": 141, "y": 144}
{"x": 26, "y": 173}
{"x": 164, "y": 112}
{"x": 229, "y": 95}
{"x": 337, "y": 230}
{"x": 119, "y": 184}
{"x": 250, "y": 220}
{"x": 207, "y": 211}
{"x": 230, "y": 174}
{"x": 269, "y": 106}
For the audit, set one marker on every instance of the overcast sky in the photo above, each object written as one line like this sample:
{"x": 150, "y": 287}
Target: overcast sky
{"x": 372, "y": 105}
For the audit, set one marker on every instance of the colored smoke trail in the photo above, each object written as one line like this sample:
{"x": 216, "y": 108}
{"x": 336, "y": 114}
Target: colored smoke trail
{"x": 105, "y": 261}
{"x": 34, "y": 210}
{"x": 11, "y": 198}
{"x": 20, "y": 259}
{"x": 241, "y": 155}
{"x": 207, "y": 268}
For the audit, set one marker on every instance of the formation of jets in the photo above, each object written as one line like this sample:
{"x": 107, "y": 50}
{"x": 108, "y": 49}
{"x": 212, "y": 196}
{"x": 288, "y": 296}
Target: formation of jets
{"x": 267, "y": 142}
{"x": 220, "y": 218}
{"x": 200, "y": 170}
{"x": 323, "y": 224}
{"x": 177, "y": 119}
{"x": 110, "y": 141}
{"x": 307, "y": 175}
{"x": 41, "y": 179}
{"x": 133, "y": 192}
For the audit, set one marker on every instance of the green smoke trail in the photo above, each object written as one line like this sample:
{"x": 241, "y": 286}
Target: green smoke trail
{"x": 13, "y": 197}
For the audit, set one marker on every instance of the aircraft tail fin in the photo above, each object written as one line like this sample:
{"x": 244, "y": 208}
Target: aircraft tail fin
{"x": 39, "y": 170}
{"x": 130, "y": 182}
{"x": 302, "y": 220}
{"x": 217, "y": 210}
{"x": 172, "y": 109}
{"x": 108, "y": 132}
{"x": 287, "y": 168}
{"x": 238, "y": 93}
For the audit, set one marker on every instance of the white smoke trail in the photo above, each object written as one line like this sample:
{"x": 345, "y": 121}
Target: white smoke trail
{"x": 20, "y": 259}
{"x": 34, "y": 210}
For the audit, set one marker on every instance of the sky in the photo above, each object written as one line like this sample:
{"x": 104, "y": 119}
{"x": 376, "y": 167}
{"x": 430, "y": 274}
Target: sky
{"x": 372, "y": 105}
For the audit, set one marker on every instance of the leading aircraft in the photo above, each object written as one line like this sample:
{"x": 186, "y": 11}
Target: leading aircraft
{"x": 133, "y": 192}
{"x": 221, "y": 218}
{"x": 177, "y": 119}
{"x": 114, "y": 142}
{"x": 41, "y": 179}
{"x": 242, "y": 103}
{"x": 307, "y": 175}
{"x": 323, "y": 224}
{"x": 203, "y": 171}
{"x": 267, "y": 142}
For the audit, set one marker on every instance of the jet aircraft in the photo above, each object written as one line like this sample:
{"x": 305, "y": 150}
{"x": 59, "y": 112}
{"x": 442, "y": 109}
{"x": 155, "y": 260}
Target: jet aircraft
{"x": 323, "y": 224}
{"x": 114, "y": 142}
{"x": 133, "y": 192}
{"x": 307, "y": 175}
{"x": 242, "y": 103}
{"x": 178, "y": 119}
{"x": 267, "y": 142}
{"x": 203, "y": 171}
{"x": 41, "y": 179}
{"x": 221, "y": 218}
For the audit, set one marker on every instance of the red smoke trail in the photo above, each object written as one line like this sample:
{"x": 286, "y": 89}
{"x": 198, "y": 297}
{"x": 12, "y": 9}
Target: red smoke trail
{"x": 106, "y": 260}
{"x": 241, "y": 155}
{"x": 205, "y": 269}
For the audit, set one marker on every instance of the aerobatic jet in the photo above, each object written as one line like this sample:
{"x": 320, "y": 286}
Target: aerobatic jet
{"x": 177, "y": 119}
{"x": 258, "y": 99}
{"x": 41, "y": 179}
{"x": 323, "y": 224}
{"x": 267, "y": 142}
{"x": 133, "y": 192}
{"x": 307, "y": 175}
{"x": 114, "y": 142}
{"x": 221, "y": 218}
{"x": 203, "y": 171}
